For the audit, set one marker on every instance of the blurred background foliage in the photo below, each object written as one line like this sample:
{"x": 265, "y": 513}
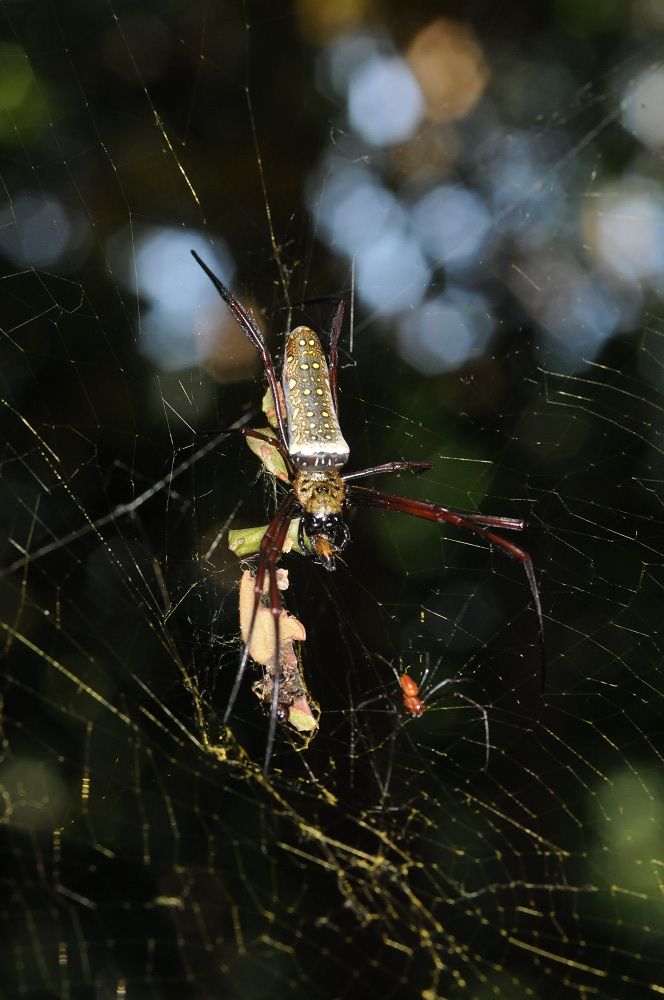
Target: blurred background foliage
{"x": 482, "y": 183}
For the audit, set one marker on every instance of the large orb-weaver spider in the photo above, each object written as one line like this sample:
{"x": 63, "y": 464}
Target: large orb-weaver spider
{"x": 314, "y": 451}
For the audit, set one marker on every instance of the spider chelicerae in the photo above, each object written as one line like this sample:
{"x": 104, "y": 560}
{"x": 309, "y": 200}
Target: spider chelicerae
{"x": 314, "y": 452}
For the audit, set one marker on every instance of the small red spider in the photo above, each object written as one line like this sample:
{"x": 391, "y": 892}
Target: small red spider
{"x": 416, "y": 698}
{"x": 411, "y": 696}
{"x": 314, "y": 451}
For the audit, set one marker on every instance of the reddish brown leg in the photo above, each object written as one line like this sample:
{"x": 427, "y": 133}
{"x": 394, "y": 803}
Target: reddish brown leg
{"x": 360, "y": 496}
{"x": 506, "y": 523}
{"x": 376, "y": 470}
{"x": 333, "y": 355}
{"x": 268, "y": 555}
{"x": 253, "y": 334}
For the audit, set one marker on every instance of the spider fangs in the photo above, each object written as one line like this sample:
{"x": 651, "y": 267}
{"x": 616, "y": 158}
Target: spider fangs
{"x": 314, "y": 451}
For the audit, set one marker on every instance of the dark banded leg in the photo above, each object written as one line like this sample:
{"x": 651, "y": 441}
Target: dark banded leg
{"x": 362, "y": 497}
{"x": 268, "y": 555}
{"x": 333, "y": 355}
{"x": 253, "y": 334}
{"x": 376, "y": 470}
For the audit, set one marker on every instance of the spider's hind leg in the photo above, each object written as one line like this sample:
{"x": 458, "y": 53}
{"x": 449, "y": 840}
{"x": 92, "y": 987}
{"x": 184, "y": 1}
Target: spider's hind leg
{"x": 268, "y": 555}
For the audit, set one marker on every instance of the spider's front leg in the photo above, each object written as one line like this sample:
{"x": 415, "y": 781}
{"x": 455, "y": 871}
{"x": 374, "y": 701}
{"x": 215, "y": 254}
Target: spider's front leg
{"x": 479, "y": 524}
{"x": 333, "y": 355}
{"x": 378, "y": 470}
{"x": 247, "y": 323}
{"x": 418, "y": 467}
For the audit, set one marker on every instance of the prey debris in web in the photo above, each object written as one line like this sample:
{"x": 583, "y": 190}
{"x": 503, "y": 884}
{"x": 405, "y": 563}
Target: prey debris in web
{"x": 294, "y": 705}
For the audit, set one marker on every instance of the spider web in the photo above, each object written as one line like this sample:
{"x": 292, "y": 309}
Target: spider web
{"x": 500, "y": 247}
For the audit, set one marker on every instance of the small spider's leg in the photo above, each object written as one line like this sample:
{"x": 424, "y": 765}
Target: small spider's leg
{"x": 425, "y": 675}
{"x": 417, "y": 467}
{"x": 370, "y": 701}
{"x": 471, "y": 701}
{"x": 433, "y": 512}
{"x": 427, "y": 695}
{"x": 485, "y": 716}
{"x": 248, "y": 324}
{"x": 272, "y": 542}
{"x": 333, "y": 355}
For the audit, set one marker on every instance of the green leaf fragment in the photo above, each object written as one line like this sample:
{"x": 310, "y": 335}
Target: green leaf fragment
{"x": 247, "y": 541}
{"x": 268, "y": 454}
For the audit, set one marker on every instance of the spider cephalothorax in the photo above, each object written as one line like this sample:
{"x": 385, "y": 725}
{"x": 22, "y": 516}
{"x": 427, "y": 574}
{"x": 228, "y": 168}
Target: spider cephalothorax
{"x": 314, "y": 451}
{"x": 321, "y": 496}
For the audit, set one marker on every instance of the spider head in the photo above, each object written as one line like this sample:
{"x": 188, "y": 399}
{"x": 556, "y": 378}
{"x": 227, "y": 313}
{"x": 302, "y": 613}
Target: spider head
{"x": 328, "y": 535}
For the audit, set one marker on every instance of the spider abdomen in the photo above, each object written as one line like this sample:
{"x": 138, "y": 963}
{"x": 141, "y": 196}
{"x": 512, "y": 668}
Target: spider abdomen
{"x": 315, "y": 440}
